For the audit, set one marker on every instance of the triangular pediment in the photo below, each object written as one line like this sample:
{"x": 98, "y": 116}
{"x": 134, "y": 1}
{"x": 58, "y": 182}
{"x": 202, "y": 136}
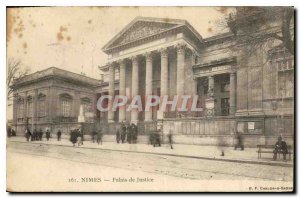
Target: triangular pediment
{"x": 142, "y": 28}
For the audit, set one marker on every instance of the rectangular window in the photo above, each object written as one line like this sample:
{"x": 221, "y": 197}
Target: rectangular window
{"x": 21, "y": 110}
{"x": 66, "y": 108}
{"x": 283, "y": 61}
{"x": 87, "y": 107}
{"x": 285, "y": 84}
{"x": 29, "y": 108}
{"x": 42, "y": 111}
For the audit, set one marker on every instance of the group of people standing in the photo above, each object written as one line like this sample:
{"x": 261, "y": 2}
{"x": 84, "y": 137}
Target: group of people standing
{"x": 76, "y": 136}
{"x": 36, "y": 135}
{"x": 97, "y": 135}
{"x": 127, "y": 131}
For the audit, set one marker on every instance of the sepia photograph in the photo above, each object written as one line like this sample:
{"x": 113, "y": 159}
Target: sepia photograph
{"x": 150, "y": 99}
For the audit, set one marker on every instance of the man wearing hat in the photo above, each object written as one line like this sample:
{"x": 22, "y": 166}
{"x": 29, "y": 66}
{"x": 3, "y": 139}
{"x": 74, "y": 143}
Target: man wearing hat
{"x": 281, "y": 147}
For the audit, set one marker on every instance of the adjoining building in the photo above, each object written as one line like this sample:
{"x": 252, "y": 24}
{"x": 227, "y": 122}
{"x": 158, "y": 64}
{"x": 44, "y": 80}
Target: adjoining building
{"x": 52, "y": 99}
{"x": 240, "y": 89}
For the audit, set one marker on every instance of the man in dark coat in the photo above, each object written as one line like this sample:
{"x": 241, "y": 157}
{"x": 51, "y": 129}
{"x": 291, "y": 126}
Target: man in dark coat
{"x": 48, "y": 134}
{"x": 123, "y": 133}
{"x": 28, "y": 134}
{"x": 13, "y": 132}
{"x": 58, "y": 135}
{"x": 118, "y": 136}
{"x": 40, "y": 134}
{"x": 94, "y": 135}
{"x": 99, "y": 136}
{"x": 35, "y": 135}
{"x": 129, "y": 134}
{"x": 73, "y": 137}
{"x": 240, "y": 141}
{"x": 134, "y": 133}
{"x": 281, "y": 147}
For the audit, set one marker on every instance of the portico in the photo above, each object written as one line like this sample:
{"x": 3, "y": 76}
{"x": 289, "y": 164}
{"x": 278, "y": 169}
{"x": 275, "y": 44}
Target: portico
{"x": 155, "y": 60}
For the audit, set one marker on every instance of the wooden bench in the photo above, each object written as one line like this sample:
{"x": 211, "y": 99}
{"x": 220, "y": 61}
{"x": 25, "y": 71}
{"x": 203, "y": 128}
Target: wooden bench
{"x": 270, "y": 149}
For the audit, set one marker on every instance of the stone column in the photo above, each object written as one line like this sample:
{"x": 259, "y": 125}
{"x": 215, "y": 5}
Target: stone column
{"x": 232, "y": 100}
{"x": 164, "y": 72}
{"x": 149, "y": 79}
{"x": 76, "y": 104}
{"x": 210, "y": 101}
{"x": 122, "y": 89}
{"x": 111, "y": 91}
{"x": 180, "y": 73}
{"x": 211, "y": 86}
{"x": 134, "y": 87}
{"x": 35, "y": 108}
{"x": 195, "y": 88}
{"x": 15, "y": 109}
{"x": 163, "y": 77}
{"x": 180, "y": 69}
{"x": 25, "y": 108}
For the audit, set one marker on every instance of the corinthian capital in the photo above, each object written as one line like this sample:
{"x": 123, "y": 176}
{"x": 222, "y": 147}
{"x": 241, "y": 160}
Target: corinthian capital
{"x": 163, "y": 52}
{"x": 121, "y": 62}
{"x": 181, "y": 47}
{"x": 134, "y": 59}
{"x": 148, "y": 56}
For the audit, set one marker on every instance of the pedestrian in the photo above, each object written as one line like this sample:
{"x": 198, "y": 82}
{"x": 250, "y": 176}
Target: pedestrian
{"x": 79, "y": 137}
{"x": 123, "y": 133}
{"x": 134, "y": 133}
{"x": 13, "y": 132}
{"x": 28, "y": 134}
{"x": 73, "y": 137}
{"x": 40, "y": 134}
{"x": 170, "y": 139}
{"x": 281, "y": 147}
{"x": 80, "y": 133}
{"x": 99, "y": 136}
{"x": 47, "y": 134}
{"x": 118, "y": 136}
{"x": 94, "y": 135}
{"x": 58, "y": 135}
{"x": 129, "y": 134}
{"x": 34, "y": 135}
{"x": 239, "y": 141}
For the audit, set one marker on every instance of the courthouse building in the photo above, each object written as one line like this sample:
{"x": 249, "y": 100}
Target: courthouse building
{"x": 240, "y": 89}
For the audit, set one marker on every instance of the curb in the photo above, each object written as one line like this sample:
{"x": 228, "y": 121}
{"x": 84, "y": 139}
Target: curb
{"x": 175, "y": 155}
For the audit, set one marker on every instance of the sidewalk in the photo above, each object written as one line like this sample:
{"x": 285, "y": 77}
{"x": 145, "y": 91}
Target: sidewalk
{"x": 249, "y": 155}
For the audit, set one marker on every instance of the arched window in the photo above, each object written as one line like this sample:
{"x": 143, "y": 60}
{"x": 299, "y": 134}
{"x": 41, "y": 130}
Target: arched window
{"x": 66, "y": 105}
{"x": 41, "y": 105}
{"x": 87, "y": 104}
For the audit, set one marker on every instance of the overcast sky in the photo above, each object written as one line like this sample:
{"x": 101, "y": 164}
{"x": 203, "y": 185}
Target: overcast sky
{"x": 71, "y": 38}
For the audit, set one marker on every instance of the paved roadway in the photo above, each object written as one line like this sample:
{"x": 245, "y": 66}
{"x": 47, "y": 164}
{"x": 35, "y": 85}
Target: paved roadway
{"x": 43, "y": 161}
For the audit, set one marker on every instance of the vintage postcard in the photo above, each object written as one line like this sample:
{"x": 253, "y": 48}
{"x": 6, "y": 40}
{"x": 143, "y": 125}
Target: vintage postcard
{"x": 150, "y": 99}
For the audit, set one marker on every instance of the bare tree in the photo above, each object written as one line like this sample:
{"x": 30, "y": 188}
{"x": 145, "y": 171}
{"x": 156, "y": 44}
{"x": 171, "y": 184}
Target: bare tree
{"x": 245, "y": 23}
{"x": 14, "y": 71}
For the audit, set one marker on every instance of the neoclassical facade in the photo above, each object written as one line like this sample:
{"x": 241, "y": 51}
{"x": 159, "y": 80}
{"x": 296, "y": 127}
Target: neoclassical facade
{"x": 251, "y": 93}
{"x": 239, "y": 89}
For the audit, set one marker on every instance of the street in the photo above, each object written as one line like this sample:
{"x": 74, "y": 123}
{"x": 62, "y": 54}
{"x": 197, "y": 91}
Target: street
{"x": 47, "y": 167}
